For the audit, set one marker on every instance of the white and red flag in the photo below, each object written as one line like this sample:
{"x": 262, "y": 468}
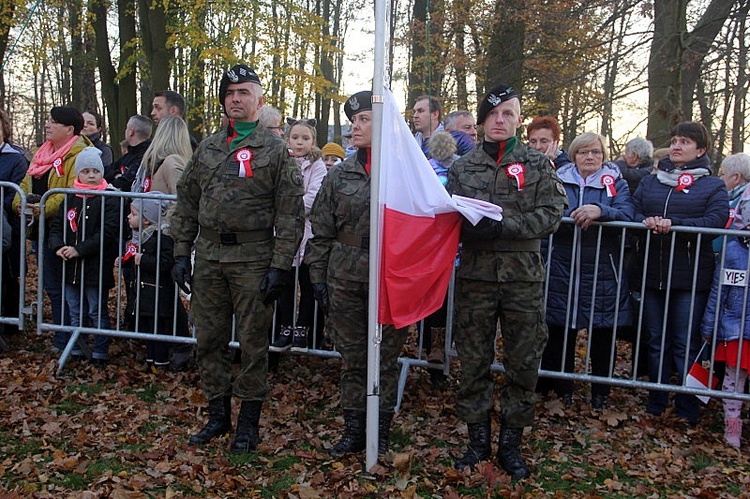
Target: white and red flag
{"x": 421, "y": 225}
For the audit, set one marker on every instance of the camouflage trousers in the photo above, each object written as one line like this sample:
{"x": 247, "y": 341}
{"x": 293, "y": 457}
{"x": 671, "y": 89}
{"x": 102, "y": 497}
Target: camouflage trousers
{"x": 219, "y": 291}
{"x": 347, "y": 322}
{"x": 519, "y": 307}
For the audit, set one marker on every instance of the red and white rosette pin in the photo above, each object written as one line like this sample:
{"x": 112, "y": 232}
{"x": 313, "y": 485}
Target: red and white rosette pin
{"x": 58, "y": 166}
{"x": 732, "y": 214}
{"x": 516, "y": 171}
{"x": 245, "y": 158}
{"x": 147, "y": 184}
{"x": 71, "y": 215}
{"x": 608, "y": 181}
{"x": 684, "y": 182}
{"x": 130, "y": 250}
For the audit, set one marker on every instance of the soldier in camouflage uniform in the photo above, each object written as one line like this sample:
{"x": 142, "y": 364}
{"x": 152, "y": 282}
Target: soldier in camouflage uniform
{"x": 239, "y": 203}
{"x": 339, "y": 265}
{"x": 502, "y": 277}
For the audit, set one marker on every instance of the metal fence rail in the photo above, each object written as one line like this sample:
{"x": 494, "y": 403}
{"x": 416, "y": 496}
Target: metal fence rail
{"x": 625, "y": 232}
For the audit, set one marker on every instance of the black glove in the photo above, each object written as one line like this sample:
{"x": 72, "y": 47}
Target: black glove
{"x": 272, "y": 285}
{"x": 182, "y": 272}
{"x": 486, "y": 230}
{"x": 320, "y": 293}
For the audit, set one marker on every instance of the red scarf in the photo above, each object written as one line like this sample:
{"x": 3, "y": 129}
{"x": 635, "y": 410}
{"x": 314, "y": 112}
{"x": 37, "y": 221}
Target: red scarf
{"x": 77, "y": 184}
{"x": 46, "y": 156}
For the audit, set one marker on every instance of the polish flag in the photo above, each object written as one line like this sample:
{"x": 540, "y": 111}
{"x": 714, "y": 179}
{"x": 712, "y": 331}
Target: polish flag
{"x": 421, "y": 226}
{"x": 698, "y": 378}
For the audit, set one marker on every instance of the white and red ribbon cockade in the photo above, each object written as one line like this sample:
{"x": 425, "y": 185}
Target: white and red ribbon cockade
{"x": 147, "y": 184}
{"x": 685, "y": 181}
{"x": 130, "y": 250}
{"x": 516, "y": 171}
{"x": 71, "y": 215}
{"x": 58, "y": 166}
{"x": 732, "y": 214}
{"x": 244, "y": 158}
{"x": 608, "y": 181}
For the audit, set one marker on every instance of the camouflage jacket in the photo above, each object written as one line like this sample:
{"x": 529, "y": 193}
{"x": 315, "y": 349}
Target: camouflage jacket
{"x": 212, "y": 197}
{"x": 341, "y": 211}
{"x": 528, "y": 214}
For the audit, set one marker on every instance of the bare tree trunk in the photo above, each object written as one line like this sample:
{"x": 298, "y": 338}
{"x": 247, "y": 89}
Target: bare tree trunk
{"x": 740, "y": 89}
{"x": 675, "y": 62}
{"x": 118, "y": 85}
{"x": 505, "y": 52}
{"x": 7, "y": 11}
{"x": 159, "y": 57}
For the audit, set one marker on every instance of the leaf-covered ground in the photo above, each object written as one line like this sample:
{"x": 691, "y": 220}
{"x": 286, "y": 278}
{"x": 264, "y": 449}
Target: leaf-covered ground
{"x": 119, "y": 432}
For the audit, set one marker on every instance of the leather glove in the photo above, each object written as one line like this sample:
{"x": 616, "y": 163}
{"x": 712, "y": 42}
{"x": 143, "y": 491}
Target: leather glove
{"x": 486, "y": 230}
{"x": 320, "y": 293}
{"x": 182, "y": 272}
{"x": 272, "y": 285}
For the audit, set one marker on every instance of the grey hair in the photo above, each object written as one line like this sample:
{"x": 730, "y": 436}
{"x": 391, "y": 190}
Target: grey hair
{"x": 452, "y": 118}
{"x": 141, "y": 125}
{"x": 269, "y": 117}
{"x": 737, "y": 163}
{"x": 641, "y": 147}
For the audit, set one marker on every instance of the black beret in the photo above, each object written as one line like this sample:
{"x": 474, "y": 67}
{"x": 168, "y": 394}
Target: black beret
{"x": 239, "y": 73}
{"x": 361, "y": 101}
{"x": 498, "y": 94}
{"x": 68, "y": 116}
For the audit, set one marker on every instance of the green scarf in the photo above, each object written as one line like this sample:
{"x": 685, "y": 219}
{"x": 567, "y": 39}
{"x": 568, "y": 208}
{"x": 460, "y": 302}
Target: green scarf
{"x": 242, "y": 129}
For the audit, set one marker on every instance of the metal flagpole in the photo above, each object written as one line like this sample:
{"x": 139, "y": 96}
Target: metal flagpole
{"x": 374, "y": 330}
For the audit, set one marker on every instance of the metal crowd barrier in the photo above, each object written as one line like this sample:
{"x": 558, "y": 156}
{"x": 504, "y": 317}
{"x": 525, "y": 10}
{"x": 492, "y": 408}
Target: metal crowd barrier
{"x": 581, "y": 373}
{"x": 16, "y": 252}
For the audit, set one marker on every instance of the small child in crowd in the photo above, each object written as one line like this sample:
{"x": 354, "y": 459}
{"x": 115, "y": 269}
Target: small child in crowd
{"x": 333, "y": 154}
{"x": 442, "y": 148}
{"x": 149, "y": 256}
{"x": 301, "y": 142}
{"x": 86, "y": 224}
{"x": 731, "y": 303}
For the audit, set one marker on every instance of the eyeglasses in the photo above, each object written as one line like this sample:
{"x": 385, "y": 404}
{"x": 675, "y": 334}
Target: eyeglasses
{"x": 595, "y": 152}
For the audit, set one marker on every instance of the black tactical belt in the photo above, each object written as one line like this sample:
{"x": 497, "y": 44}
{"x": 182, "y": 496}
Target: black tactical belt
{"x": 231, "y": 238}
{"x": 354, "y": 240}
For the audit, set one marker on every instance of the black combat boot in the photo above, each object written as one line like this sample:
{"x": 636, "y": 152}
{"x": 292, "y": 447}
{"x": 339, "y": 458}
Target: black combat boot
{"x": 509, "y": 453}
{"x": 248, "y": 436}
{"x": 354, "y": 438}
{"x": 479, "y": 448}
{"x": 219, "y": 421}
{"x": 384, "y": 431}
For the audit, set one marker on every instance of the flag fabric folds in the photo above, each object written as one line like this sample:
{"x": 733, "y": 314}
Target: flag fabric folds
{"x": 421, "y": 226}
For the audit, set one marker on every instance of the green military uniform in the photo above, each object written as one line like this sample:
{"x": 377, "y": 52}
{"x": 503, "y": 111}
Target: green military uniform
{"x": 338, "y": 256}
{"x": 239, "y": 226}
{"x": 503, "y": 278}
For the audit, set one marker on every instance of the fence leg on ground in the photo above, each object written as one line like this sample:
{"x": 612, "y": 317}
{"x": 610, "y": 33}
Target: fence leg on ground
{"x": 72, "y": 342}
{"x": 405, "y": 364}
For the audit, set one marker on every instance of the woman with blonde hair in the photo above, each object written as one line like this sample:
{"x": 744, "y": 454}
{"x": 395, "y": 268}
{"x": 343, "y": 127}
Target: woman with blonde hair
{"x": 166, "y": 157}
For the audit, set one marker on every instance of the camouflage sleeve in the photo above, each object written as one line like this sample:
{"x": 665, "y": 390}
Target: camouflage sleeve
{"x": 551, "y": 202}
{"x": 323, "y": 223}
{"x": 184, "y": 221}
{"x": 290, "y": 212}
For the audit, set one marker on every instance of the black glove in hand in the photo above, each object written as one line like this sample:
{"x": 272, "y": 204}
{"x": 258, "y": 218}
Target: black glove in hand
{"x": 486, "y": 230}
{"x": 182, "y": 272}
{"x": 320, "y": 293}
{"x": 272, "y": 285}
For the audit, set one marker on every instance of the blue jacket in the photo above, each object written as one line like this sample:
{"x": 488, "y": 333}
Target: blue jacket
{"x": 705, "y": 204}
{"x": 583, "y": 254}
{"x": 13, "y": 166}
{"x": 732, "y": 301}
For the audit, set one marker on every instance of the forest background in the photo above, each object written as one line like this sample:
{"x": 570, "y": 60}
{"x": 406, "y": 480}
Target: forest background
{"x": 580, "y": 60}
